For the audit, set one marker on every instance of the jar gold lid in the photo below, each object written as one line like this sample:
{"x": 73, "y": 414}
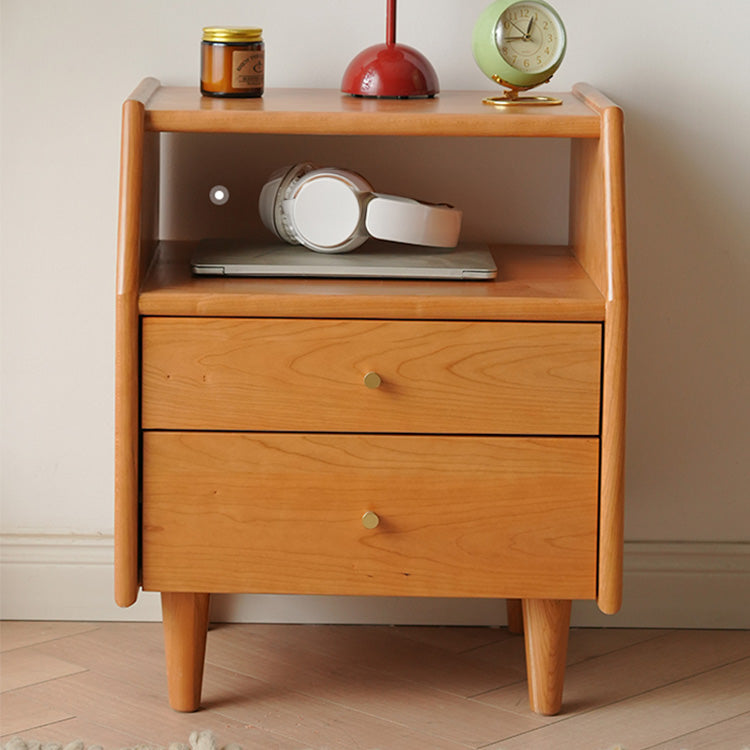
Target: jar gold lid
{"x": 230, "y": 34}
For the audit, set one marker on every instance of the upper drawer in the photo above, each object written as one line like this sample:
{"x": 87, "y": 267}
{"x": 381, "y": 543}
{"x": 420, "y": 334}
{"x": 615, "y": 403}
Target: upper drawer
{"x": 436, "y": 376}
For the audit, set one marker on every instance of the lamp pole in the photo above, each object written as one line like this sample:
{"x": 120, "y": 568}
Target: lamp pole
{"x": 390, "y": 23}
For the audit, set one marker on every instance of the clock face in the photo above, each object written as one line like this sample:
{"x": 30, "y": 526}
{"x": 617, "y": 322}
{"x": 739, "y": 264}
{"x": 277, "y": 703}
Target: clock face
{"x": 519, "y": 44}
{"x": 530, "y": 37}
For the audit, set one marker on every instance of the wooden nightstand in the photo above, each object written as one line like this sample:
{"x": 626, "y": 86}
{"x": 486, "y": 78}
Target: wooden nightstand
{"x": 488, "y": 462}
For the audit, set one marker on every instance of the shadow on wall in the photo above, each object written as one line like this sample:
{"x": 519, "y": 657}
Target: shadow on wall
{"x": 689, "y": 359}
{"x": 509, "y": 192}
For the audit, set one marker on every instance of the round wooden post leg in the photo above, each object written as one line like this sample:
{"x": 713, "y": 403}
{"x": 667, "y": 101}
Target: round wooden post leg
{"x": 546, "y": 625}
{"x": 185, "y": 618}
{"x": 515, "y": 616}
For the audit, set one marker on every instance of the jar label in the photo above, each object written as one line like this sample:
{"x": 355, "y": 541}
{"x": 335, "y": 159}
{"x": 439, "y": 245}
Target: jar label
{"x": 247, "y": 69}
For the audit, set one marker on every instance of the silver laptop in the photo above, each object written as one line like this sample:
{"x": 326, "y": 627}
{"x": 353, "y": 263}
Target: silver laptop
{"x": 373, "y": 260}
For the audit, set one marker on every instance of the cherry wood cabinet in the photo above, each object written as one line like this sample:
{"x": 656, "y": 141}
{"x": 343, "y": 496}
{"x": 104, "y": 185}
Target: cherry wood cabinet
{"x": 252, "y": 456}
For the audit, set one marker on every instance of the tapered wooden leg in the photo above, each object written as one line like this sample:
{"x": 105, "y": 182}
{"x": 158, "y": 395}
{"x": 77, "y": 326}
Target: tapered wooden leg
{"x": 546, "y": 626}
{"x": 185, "y": 618}
{"x": 515, "y": 615}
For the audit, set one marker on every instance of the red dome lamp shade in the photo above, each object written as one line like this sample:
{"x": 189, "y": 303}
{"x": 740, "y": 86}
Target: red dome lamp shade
{"x": 390, "y": 70}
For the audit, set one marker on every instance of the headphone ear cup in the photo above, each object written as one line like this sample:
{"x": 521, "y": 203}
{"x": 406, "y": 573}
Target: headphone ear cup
{"x": 271, "y": 203}
{"x": 326, "y": 208}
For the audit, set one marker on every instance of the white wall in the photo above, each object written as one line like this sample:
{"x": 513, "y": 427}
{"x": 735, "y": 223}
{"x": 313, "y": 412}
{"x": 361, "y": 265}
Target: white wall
{"x": 682, "y": 81}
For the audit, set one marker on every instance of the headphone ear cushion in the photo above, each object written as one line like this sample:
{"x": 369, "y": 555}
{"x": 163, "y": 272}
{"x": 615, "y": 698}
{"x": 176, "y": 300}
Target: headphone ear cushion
{"x": 273, "y": 195}
{"x": 326, "y": 207}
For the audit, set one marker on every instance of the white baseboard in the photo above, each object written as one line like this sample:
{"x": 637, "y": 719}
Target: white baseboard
{"x": 667, "y": 584}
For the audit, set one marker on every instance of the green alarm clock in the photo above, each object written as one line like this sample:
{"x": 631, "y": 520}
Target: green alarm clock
{"x": 519, "y": 44}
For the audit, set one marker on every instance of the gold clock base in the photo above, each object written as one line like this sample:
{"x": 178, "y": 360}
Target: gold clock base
{"x": 511, "y": 100}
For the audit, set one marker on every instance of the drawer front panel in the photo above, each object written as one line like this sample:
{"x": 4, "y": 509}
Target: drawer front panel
{"x": 308, "y": 375}
{"x": 283, "y": 513}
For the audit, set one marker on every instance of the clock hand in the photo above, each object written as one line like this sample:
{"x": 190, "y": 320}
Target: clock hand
{"x": 528, "y": 29}
{"x": 518, "y": 27}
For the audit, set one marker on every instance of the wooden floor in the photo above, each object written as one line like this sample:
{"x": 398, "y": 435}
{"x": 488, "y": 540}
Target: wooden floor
{"x": 290, "y": 687}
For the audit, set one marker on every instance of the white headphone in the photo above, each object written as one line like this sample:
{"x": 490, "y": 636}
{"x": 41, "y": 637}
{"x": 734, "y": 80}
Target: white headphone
{"x": 335, "y": 211}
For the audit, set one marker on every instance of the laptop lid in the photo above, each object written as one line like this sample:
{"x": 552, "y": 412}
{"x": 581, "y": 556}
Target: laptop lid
{"x": 375, "y": 259}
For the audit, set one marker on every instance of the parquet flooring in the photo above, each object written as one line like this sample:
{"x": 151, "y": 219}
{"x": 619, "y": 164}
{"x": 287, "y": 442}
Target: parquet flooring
{"x": 298, "y": 687}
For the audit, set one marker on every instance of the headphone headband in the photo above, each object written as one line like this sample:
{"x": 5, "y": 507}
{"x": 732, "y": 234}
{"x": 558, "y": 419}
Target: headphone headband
{"x": 390, "y": 217}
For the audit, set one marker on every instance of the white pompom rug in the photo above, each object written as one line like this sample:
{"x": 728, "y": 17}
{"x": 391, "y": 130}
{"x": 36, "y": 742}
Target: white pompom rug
{"x": 196, "y": 741}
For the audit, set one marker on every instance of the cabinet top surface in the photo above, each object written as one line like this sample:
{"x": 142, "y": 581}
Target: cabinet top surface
{"x": 327, "y": 111}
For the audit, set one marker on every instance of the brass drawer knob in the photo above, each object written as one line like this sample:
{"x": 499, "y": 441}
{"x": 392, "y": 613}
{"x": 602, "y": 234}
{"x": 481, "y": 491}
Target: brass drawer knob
{"x": 372, "y": 380}
{"x": 370, "y": 520}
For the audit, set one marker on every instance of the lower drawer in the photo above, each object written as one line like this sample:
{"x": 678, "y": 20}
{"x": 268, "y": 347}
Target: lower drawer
{"x": 457, "y": 516}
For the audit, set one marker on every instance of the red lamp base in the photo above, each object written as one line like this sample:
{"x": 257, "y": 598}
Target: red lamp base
{"x": 390, "y": 71}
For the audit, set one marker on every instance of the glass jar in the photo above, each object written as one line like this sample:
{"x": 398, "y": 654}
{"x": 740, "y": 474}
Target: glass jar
{"x": 232, "y": 61}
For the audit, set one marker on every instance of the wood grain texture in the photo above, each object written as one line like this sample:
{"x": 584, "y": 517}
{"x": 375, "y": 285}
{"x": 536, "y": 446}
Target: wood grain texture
{"x": 634, "y": 662}
{"x": 437, "y": 376}
{"x": 647, "y": 719}
{"x": 18, "y": 633}
{"x": 424, "y": 706}
{"x": 137, "y": 164}
{"x": 514, "y": 609}
{"x": 328, "y": 112}
{"x": 274, "y": 513}
{"x": 21, "y": 667}
{"x": 458, "y": 671}
{"x": 597, "y": 228}
{"x": 185, "y": 619}
{"x": 144, "y": 711}
{"x": 546, "y": 624}
{"x": 722, "y": 735}
{"x": 305, "y": 686}
{"x": 533, "y": 283}
{"x": 21, "y": 712}
{"x": 460, "y": 516}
